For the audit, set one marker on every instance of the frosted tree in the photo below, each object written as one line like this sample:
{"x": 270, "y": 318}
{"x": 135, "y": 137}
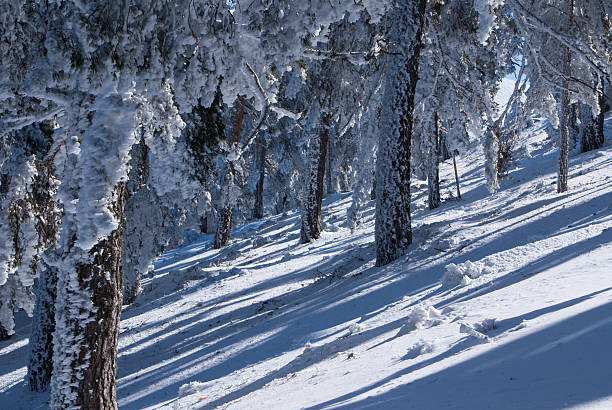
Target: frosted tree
{"x": 319, "y": 130}
{"x": 393, "y": 219}
{"x": 261, "y": 165}
{"x": 339, "y": 89}
{"x": 368, "y": 128}
{"x": 566, "y": 46}
{"x": 103, "y": 70}
{"x": 28, "y": 215}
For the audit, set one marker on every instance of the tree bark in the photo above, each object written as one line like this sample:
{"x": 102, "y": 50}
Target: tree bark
{"x": 330, "y": 183}
{"x": 564, "y": 146}
{"x": 433, "y": 179}
{"x": 599, "y": 121}
{"x": 311, "y": 213}
{"x": 373, "y": 191}
{"x": 104, "y": 278}
{"x": 456, "y": 177}
{"x": 131, "y": 290}
{"x": 393, "y": 220}
{"x": 224, "y": 215}
{"x": 137, "y": 182}
{"x": 588, "y": 129}
{"x": 4, "y": 333}
{"x": 89, "y": 309}
{"x": 40, "y": 364}
{"x": 224, "y": 225}
{"x": 258, "y": 211}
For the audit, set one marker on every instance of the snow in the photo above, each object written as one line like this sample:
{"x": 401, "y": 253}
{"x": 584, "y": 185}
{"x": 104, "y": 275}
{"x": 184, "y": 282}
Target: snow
{"x": 270, "y": 323}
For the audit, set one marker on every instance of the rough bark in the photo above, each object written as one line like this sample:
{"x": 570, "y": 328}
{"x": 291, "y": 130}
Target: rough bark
{"x": 137, "y": 181}
{"x": 311, "y": 213}
{"x": 564, "y": 132}
{"x": 224, "y": 215}
{"x": 599, "y": 120}
{"x": 224, "y": 224}
{"x": 258, "y": 211}
{"x": 433, "y": 179}
{"x": 588, "y": 129}
{"x": 330, "y": 183}
{"x": 132, "y": 289}
{"x": 456, "y": 176}
{"x": 40, "y": 364}
{"x": 85, "y": 347}
{"x": 104, "y": 278}
{"x": 393, "y": 220}
{"x": 4, "y": 335}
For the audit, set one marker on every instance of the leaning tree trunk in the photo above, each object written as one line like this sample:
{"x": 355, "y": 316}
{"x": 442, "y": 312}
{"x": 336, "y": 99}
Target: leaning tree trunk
{"x": 87, "y": 316}
{"x": 433, "y": 179}
{"x": 393, "y": 221}
{"x": 564, "y": 146}
{"x": 311, "y": 213}
{"x": 258, "y": 211}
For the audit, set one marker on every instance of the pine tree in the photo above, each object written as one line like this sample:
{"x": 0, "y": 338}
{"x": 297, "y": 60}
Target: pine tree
{"x": 312, "y": 226}
{"x": 393, "y": 220}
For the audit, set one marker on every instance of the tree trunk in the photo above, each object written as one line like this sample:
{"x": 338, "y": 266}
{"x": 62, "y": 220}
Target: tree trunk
{"x": 393, "y": 220}
{"x": 40, "y": 364}
{"x": 136, "y": 186}
{"x": 433, "y": 179}
{"x": 330, "y": 183}
{"x": 311, "y": 213}
{"x": 211, "y": 215}
{"x": 224, "y": 215}
{"x": 574, "y": 126}
{"x": 258, "y": 212}
{"x": 364, "y": 163}
{"x": 456, "y": 176}
{"x": 599, "y": 120}
{"x": 564, "y": 146}
{"x": 4, "y": 335}
{"x": 224, "y": 225}
{"x": 588, "y": 128}
{"x": 87, "y": 322}
{"x": 132, "y": 289}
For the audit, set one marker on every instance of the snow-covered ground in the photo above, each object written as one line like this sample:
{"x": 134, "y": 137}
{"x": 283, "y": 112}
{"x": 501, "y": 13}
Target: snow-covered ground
{"x": 503, "y": 302}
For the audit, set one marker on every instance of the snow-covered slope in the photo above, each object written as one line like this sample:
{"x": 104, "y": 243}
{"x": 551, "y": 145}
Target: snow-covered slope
{"x": 503, "y": 302}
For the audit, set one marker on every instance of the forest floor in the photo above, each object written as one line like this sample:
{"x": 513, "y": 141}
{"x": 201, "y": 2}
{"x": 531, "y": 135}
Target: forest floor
{"x": 504, "y": 301}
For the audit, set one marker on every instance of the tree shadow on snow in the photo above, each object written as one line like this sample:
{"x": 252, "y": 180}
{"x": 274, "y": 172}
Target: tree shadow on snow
{"x": 565, "y": 364}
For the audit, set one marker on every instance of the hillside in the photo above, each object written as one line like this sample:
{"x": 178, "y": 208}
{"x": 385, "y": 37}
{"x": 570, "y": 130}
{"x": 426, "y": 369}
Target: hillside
{"x": 504, "y": 301}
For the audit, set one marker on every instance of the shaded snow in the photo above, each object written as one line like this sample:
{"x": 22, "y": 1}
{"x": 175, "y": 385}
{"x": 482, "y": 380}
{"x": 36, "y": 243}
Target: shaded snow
{"x": 269, "y": 323}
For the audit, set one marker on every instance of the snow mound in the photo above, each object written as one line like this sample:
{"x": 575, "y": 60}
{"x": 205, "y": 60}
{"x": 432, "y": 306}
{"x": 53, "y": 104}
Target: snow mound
{"x": 354, "y": 329}
{"x": 420, "y": 317}
{"x": 315, "y": 353}
{"x": 462, "y": 274}
{"x": 473, "y": 333}
{"x": 486, "y": 325}
{"x": 259, "y": 241}
{"x": 420, "y": 348}
{"x": 193, "y": 388}
{"x": 236, "y": 272}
